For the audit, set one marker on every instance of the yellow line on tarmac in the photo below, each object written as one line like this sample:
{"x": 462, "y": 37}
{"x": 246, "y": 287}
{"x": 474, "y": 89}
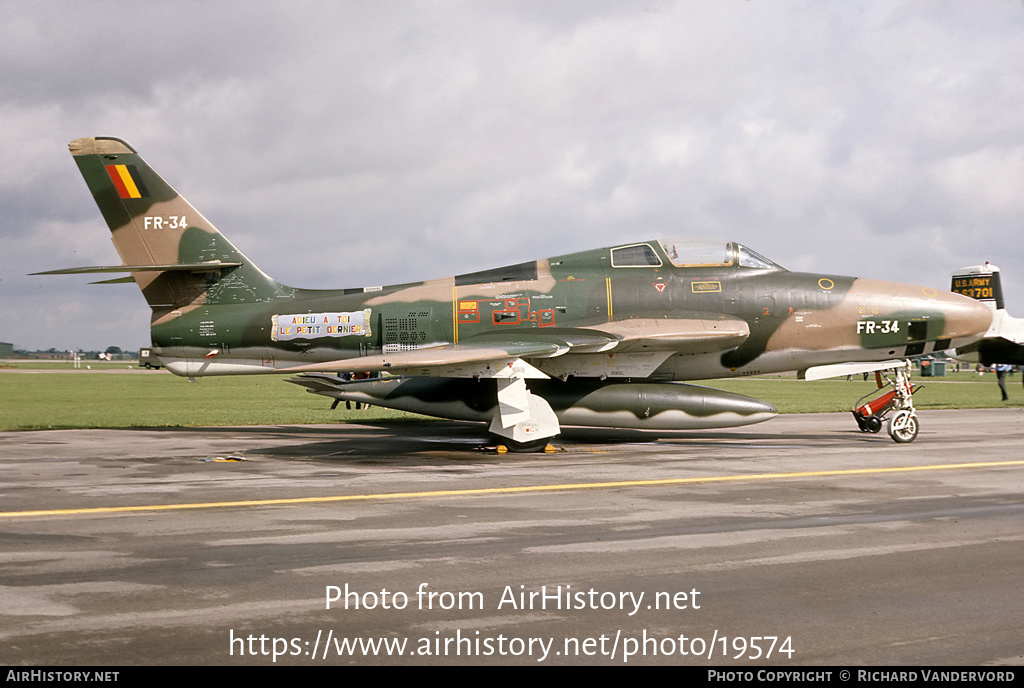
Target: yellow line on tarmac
{"x": 509, "y": 490}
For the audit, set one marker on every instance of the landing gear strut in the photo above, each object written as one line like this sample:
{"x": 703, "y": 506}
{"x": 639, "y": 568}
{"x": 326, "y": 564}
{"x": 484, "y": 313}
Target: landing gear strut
{"x": 524, "y": 421}
{"x": 872, "y": 409}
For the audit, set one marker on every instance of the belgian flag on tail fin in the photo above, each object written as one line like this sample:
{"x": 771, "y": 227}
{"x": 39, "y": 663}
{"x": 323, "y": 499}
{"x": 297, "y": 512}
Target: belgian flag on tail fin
{"x": 127, "y": 180}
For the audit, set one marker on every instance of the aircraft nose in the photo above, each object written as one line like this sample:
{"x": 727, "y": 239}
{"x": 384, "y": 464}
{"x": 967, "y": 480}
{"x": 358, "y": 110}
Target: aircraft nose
{"x": 913, "y": 313}
{"x": 964, "y": 317}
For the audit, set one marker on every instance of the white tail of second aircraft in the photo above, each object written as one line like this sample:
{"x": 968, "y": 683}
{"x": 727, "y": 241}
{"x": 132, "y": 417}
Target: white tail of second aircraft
{"x": 1004, "y": 341}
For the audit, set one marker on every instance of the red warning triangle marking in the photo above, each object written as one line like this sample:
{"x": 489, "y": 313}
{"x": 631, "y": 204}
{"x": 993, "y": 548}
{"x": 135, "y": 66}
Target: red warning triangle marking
{"x": 660, "y": 286}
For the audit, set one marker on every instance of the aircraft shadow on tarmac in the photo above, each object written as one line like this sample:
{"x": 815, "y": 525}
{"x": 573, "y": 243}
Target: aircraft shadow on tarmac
{"x": 434, "y": 441}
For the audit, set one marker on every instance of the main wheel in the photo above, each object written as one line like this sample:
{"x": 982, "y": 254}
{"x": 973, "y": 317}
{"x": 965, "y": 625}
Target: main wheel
{"x": 903, "y": 427}
{"x": 522, "y": 447}
{"x": 872, "y": 424}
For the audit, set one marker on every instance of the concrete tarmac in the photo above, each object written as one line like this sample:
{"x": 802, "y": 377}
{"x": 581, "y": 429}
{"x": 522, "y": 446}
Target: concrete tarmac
{"x": 800, "y": 541}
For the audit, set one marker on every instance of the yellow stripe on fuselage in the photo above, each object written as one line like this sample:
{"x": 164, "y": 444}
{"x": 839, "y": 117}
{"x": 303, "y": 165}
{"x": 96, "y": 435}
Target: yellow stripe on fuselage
{"x": 608, "y": 288}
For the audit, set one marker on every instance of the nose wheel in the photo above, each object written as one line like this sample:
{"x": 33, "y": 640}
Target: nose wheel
{"x": 903, "y": 427}
{"x": 895, "y": 404}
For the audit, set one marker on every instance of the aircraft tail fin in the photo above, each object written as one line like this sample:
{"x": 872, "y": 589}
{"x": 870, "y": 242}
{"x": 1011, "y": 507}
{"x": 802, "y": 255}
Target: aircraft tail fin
{"x": 176, "y": 255}
{"x": 1004, "y": 341}
{"x": 980, "y": 282}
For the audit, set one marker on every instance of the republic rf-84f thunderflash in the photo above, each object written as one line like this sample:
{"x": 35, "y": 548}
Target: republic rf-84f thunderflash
{"x": 597, "y": 338}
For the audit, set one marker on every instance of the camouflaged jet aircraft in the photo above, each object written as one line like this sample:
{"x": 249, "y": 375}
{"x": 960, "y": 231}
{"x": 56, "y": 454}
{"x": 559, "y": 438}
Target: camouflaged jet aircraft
{"x": 597, "y": 338}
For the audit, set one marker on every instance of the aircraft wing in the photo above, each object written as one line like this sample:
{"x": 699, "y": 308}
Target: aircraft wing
{"x": 486, "y": 354}
{"x": 823, "y": 372}
{"x": 451, "y": 360}
{"x": 992, "y": 350}
{"x": 688, "y": 333}
{"x": 1003, "y": 343}
{"x": 693, "y": 333}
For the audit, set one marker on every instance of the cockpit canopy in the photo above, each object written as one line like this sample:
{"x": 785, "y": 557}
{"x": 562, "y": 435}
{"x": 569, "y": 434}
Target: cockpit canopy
{"x": 686, "y": 253}
{"x": 691, "y": 253}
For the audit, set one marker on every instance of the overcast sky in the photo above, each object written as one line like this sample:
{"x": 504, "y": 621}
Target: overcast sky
{"x": 344, "y": 144}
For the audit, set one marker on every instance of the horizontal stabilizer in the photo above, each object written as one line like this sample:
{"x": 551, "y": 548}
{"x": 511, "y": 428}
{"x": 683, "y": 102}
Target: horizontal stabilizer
{"x": 212, "y": 266}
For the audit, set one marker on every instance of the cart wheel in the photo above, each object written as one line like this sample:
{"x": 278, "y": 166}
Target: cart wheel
{"x": 872, "y": 424}
{"x": 903, "y": 427}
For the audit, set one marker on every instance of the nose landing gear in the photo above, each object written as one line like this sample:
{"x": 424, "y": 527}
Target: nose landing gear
{"x": 871, "y": 410}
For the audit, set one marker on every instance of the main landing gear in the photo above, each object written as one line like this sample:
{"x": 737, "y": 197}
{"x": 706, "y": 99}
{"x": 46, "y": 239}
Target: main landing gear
{"x": 524, "y": 422}
{"x": 896, "y": 404}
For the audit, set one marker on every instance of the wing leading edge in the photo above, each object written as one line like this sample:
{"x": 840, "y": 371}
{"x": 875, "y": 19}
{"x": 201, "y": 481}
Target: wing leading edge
{"x": 485, "y": 355}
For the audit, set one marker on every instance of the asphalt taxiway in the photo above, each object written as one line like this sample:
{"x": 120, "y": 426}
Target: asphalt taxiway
{"x": 222, "y": 545}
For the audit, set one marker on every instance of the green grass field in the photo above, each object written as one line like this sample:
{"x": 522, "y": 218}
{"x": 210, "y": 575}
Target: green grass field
{"x": 43, "y": 399}
{"x": 32, "y": 364}
{"x": 47, "y": 400}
